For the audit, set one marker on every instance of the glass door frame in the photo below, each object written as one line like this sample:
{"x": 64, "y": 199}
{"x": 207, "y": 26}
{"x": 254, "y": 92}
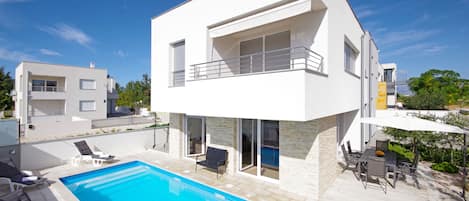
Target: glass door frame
{"x": 186, "y": 137}
{"x": 239, "y": 169}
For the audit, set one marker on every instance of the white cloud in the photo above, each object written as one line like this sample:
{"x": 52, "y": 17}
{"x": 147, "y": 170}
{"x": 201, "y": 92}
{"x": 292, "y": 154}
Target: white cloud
{"x": 15, "y": 56}
{"x": 120, "y": 53}
{"x": 399, "y": 37}
{"x": 365, "y": 11}
{"x": 68, "y": 33}
{"x": 416, "y": 49}
{"x": 49, "y": 52}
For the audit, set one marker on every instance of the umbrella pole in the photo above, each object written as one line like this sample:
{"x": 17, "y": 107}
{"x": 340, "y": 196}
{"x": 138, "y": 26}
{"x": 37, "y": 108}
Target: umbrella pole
{"x": 464, "y": 169}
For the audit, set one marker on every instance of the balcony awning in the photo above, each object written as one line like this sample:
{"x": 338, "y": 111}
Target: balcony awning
{"x": 265, "y": 17}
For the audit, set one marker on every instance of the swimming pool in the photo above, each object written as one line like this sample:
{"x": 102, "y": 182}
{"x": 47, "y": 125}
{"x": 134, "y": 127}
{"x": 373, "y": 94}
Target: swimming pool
{"x": 139, "y": 181}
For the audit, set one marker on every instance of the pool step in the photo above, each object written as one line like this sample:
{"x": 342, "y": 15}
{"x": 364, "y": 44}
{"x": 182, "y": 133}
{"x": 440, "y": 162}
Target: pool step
{"x": 110, "y": 177}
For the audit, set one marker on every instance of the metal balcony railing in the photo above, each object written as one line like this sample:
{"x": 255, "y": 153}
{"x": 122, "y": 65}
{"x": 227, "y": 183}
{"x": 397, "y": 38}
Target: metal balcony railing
{"x": 268, "y": 61}
{"x": 46, "y": 89}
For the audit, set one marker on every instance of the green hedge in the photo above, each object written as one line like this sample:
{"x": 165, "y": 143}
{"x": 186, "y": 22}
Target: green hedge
{"x": 403, "y": 153}
{"x": 445, "y": 167}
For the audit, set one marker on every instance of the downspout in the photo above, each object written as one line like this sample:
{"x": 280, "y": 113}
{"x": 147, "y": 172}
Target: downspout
{"x": 362, "y": 127}
{"x": 369, "y": 88}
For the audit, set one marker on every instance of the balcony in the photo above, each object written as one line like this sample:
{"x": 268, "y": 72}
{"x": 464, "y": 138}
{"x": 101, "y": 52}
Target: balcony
{"x": 47, "y": 93}
{"x": 286, "y": 59}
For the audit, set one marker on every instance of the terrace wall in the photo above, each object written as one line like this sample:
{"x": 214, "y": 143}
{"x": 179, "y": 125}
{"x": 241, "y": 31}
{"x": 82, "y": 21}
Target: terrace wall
{"x": 41, "y": 155}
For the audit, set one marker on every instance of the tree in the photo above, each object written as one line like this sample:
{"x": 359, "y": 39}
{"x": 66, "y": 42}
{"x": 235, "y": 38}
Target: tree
{"x": 436, "y": 89}
{"x": 6, "y": 85}
{"x": 135, "y": 94}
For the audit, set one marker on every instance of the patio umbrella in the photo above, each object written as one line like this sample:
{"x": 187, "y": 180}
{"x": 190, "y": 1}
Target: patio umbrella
{"x": 410, "y": 123}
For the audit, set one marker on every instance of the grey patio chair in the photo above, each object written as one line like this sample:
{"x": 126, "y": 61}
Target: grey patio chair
{"x": 352, "y": 153}
{"x": 376, "y": 167}
{"x": 406, "y": 168}
{"x": 382, "y": 145}
{"x": 18, "y": 195}
{"x": 349, "y": 160}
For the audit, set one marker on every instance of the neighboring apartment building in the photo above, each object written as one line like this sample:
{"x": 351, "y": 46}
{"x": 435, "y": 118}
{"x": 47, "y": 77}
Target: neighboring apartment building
{"x": 279, "y": 84}
{"x": 389, "y": 76}
{"x": 55, "y": 100}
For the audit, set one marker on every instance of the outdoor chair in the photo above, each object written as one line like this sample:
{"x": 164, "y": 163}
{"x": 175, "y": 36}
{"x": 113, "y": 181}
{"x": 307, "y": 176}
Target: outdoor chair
{"x": 382, "y": 145}
{"x": 349, "y": 159}
{"x": 376, "y": 167}
{"x": 406, "y": 168}
{"x": 352, "y": 153}
{"x": 214, "y": 159}
{"x": 18, "y": 195}
{"x": 88, "y": 155}
{"x": 18, "y": 179}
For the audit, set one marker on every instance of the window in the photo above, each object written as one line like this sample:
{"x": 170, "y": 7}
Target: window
{"x": 388, "y": 75}
{"x": 87, "y": 106}
{"x": 44, "y": 85}
{"x": 87, "y": 84}
{"x": 179, "y": 64}
{"x": 38, "y": 85}
{"x": 350, "y": 56}
{"x": 51, "y": 85}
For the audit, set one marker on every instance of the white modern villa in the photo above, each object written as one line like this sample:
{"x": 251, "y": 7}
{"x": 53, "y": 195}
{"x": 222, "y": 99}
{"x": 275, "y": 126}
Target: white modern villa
{"x": 278, "y": 84}
{"x": 53, "y": 100}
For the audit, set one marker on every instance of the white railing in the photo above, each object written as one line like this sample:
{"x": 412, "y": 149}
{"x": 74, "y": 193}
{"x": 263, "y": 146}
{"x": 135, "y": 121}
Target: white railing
{"x": 268, "y": 61}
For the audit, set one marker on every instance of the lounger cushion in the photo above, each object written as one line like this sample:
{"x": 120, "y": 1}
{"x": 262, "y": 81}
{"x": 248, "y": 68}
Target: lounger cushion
{"x": 83, "y": 148}
{"x": 8, "y": 171}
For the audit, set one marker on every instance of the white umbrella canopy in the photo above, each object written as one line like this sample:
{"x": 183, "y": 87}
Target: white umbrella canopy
{"x": 411, "y": 124}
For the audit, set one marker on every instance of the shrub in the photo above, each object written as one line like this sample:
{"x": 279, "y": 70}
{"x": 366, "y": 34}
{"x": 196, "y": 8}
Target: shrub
{"x": 425, "y": 100}
{"x": 445, "y": 167}
{"x": 8, "y": 113}
{"x": 402, "y": 152}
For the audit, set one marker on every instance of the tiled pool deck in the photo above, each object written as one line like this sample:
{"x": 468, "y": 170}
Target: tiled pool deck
{"x": 239, "y": 185}
{"x": 345, "y": 188}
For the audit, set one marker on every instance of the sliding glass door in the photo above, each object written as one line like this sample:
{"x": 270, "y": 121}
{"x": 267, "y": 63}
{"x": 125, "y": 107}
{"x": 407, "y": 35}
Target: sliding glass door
{"x": 195, "y": 136}
{"x": 259, "y": 148}
{"x": 269, "y": 149}
{"x": 249, "y": 146}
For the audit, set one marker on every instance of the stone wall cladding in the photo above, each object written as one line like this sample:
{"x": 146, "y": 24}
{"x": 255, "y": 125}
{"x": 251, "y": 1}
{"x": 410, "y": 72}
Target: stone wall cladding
{"x": 327, "y": 154}
{"x": 300, "y": 160}
{"x": 221, "y": 133}
{"x": 176, "y": 135}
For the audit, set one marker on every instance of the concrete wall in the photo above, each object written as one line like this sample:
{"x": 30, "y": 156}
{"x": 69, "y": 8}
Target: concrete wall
{"x": 40, "y": 155}
{"x": 307, "y": 156}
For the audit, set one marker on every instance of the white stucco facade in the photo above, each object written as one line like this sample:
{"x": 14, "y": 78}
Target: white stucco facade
{"x": 55, "y": 100}
{"x": 317, "y": 105}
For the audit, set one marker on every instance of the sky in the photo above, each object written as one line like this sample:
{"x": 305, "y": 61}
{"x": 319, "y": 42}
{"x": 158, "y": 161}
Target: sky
{"x": 418, "y": 35}
{"x": 115, "y": 34}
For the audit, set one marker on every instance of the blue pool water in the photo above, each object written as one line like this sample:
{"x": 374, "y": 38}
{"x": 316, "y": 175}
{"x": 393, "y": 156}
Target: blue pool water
{"x": 140, "y": 182}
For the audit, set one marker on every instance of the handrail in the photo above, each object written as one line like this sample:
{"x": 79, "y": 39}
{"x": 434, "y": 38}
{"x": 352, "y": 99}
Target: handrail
{"x": 280, "y": 59}
{"x": 46, "y": 89}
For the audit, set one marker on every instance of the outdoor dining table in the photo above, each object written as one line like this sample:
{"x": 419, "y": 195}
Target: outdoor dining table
{"x": 389, "y": 156}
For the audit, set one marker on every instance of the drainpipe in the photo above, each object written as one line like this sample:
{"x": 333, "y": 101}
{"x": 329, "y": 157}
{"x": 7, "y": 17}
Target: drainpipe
{"x": 362, "y": 127}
